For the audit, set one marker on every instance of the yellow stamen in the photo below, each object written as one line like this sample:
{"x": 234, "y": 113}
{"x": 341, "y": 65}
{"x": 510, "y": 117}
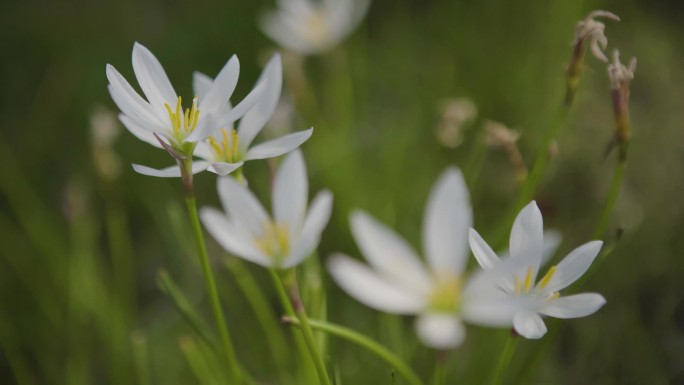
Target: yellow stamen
{"x": 234, "y": 136}
{"x": 553, "y": 296}
{"x": 179, "y": 112}
{"x": 528, "y": 279}
{"x": 518, "y": 287}
{"x": 547, "y": 278}
{"x": 226, "y": 145}
{"x": 214, "y": 145}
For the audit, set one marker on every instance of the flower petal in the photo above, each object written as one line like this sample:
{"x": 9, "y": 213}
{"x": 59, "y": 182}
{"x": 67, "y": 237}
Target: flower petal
{"x": 257, "y": 116}
{"x": 209, "y": 124}
{"x": 223, "y": 168}
{"x": 152, "y": 79}
{"x": 448, "y": 216}
{"x": 573, "y": 266}
{"x": 290, "y": 193}
{"x": 389, "y": 253}
{"x": 201, "y": 84}
{"x": 218, "y": 95}
{"x": 529, "y": 325}
{"x": 243, "y": 208}
{"x": 574, "y": 306}
{"x": 169, "y": 172}
{"x": 440, "y": 331}
{"x": 218, "y": 225}
{"x": 273, "y": 26}
{"x": 279, "y": 146}
{"x": 552, "y": 239}
{"x": 527, "y": 238}
{"x": 139, "y": 131}
{"x": 128, "y": 100}
{"x": 484, "y": 254}
{"x": 371, "y": 289}
{"x": 316, "y": 220}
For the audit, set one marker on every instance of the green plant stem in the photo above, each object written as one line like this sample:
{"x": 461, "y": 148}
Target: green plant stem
{"x": 302, "y": 349}
{"x": 505, "y": 359}
{"x": 233, "y": 367}
{"x": 300, "y": 312}
{"x": 613, "y": 193}
{"x": 366, "y": 343}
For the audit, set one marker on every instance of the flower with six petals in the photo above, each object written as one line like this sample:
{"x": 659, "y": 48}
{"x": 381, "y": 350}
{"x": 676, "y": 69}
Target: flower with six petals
{"x": 283, "y": 240}
{"x": 508, "y": 291}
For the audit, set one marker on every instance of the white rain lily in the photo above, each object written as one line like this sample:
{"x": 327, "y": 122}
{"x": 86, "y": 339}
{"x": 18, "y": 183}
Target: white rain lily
{"x": 398, "y": 282}
{"x": 312, "y": 26}
{"x": 281, "y": 241}
{"x": 229, "y": 148}
{"x": 161, "y": 116}
{"x": 509, "y": 293}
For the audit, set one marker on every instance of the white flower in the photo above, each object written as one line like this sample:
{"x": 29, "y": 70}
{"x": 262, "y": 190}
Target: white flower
{"x": 162, "y": 113}
{"x": 228, "y": 149}
{"x": 509, "y": 293}
{"x": 313, "y": 26}
{"x": 281, "y": 241}
{"x": 398, "y": 282}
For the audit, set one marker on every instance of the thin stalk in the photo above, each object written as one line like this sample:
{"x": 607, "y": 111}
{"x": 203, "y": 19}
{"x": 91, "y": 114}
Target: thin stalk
{"x": 306, "y": 359}
{"x": 366, "y": 343}
{"x": 613, "y": 193}
{"x": 309, "y": 338}
{"x": 233, "y": 367}
{"x": 505, "y": 359}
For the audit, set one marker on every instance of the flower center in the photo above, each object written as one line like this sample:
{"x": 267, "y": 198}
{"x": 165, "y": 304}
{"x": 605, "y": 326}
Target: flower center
{"x": 183, "y": 123}
{"x": 275, "y": 240}
{"x": 227, "y": 149}
{"x": 524, "y": 286}
{"x": 446, "y": 296}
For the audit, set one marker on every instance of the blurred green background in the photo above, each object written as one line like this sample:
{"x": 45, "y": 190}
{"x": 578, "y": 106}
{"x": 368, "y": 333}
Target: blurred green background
{"x": 80, "y": 250}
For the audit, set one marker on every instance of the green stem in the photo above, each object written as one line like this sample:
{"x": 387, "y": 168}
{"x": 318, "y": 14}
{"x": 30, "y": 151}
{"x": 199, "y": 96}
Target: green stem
{"x": 306, "y": 359}
{"x": 613, "y": 193}
{"x": 505, "y": 360}
{"x": 233, "y": 367}
{"x": 309, "y": 338}
{"x": 365, "y": 342}
{"x": 234, "y": 371}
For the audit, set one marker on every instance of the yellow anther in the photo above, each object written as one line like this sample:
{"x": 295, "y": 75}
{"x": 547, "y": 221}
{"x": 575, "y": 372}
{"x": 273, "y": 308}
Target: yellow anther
{"x": 547, "y": 278}
{"x": 518, "y": 286}
{"x": 179, "y": 112}
{"x": 528, "y": 279}
{"x": 183, "y": 122}
{"x": 226, "y": 145}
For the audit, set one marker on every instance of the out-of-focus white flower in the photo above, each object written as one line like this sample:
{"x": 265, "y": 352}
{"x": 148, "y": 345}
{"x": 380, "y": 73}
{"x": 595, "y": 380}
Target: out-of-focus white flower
{"x": 592, "y": 31}
{"x": 281, "y": 241}
{"x": 161, "y": 116}
{"x": 312, "y": 26}
{"x": 508, "y": 292}
{"x": 398, "y": 282}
